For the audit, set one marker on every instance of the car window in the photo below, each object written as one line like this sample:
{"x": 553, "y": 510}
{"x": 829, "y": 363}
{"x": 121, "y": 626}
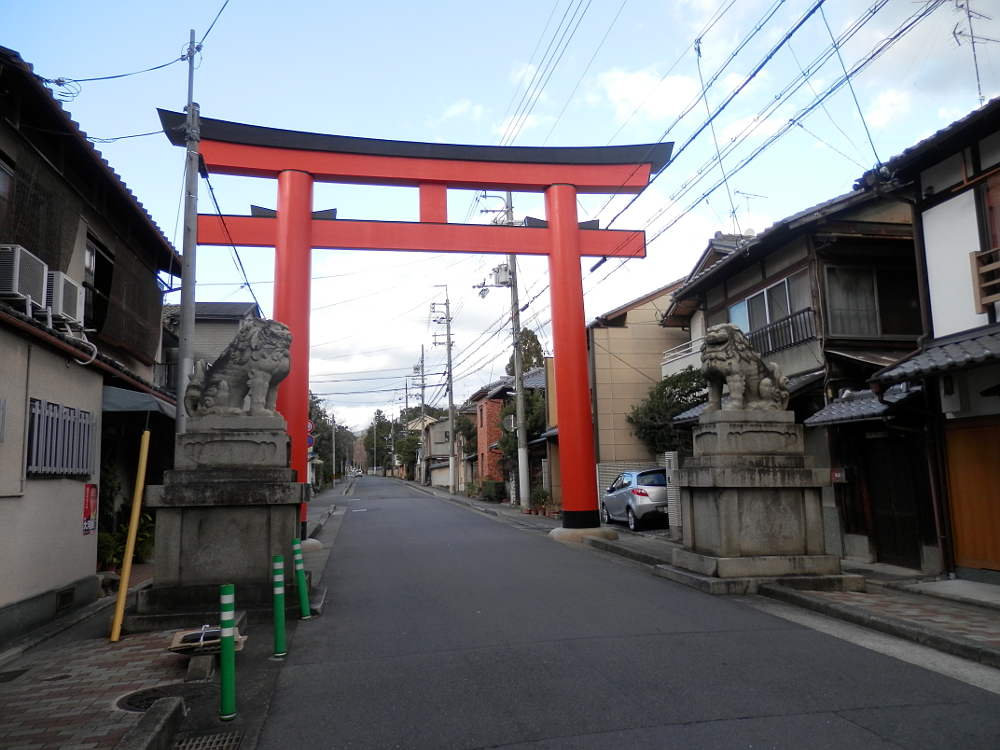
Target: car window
{"x": 653, "y": 479}
{"x": 626, "y": 481}
{"x": 616, "y": 485}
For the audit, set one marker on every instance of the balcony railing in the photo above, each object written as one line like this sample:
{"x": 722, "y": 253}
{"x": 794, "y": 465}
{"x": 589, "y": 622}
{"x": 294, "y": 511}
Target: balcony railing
{"x": 785, "y": 333}
{"x": 681, "y": 350}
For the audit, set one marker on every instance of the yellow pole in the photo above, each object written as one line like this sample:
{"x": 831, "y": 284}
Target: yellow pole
{"x": 133, "y": 528}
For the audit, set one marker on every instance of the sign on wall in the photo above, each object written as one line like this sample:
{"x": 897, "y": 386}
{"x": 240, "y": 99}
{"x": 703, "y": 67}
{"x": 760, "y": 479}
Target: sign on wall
{"x": 89, "y": 508}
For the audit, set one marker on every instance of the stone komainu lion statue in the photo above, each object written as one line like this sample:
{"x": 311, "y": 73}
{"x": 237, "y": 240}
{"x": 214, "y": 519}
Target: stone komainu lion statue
{"x": 728, "y": 359}
{"x": 252, "y": 365}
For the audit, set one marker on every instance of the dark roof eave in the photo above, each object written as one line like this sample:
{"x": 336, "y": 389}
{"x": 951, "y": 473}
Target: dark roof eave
{"x": 168, "y": 259}
{"x": 655, "y": 154}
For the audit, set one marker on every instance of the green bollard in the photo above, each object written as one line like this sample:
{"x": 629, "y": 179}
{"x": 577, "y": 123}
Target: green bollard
{"x": 227, "y": 654}
{"x": 279, "y": 607}
{"x": 300, "y": 579}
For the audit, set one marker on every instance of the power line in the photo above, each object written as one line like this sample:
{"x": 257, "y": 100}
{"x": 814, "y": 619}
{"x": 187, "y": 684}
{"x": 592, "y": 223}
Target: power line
{"x": 225, "y": 227}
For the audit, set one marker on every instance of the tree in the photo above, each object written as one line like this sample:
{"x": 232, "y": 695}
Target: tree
{"x": 652, "y": 417}
{"x": 467, "y": 429}
{"x": 379, "y": 430}
{"x": 534, "y": 415}
{"x": 532, "y": 355}
{"x": 322, "y": 429}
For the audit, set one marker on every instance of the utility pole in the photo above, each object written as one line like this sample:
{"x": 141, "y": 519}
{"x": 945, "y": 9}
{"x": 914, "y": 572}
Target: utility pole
{"x": 507, "y": 276}
{"x": 185, "y": 346}
{"x": 422, "y": 451}
{"x": 333, "y": 449}
{"x": 375, "y": 447}
{"x": 523, "y": 469}
{"x": 452, "y": 478}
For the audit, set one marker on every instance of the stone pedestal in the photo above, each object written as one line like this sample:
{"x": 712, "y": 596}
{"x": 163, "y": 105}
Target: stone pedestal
{"x": 751, "y": 504}
{"x": 227, "y": 508}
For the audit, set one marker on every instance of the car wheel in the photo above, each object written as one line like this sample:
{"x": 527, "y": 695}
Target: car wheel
{"x": 605, "y": 518}
{"x": 633, "y": 522}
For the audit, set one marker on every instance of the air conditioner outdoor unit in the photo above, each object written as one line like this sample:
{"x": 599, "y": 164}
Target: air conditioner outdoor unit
{"x": 22, "y": 275}
{"x": 66, "y": 298}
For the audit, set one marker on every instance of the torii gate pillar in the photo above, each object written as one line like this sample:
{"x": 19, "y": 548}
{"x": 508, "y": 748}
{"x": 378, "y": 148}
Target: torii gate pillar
{"x": 292, "y": 285}
{"x": 569, "y": 341}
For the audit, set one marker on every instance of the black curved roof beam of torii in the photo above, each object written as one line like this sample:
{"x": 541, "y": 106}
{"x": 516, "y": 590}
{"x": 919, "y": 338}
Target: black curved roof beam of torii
{"x": 513, "y": 167}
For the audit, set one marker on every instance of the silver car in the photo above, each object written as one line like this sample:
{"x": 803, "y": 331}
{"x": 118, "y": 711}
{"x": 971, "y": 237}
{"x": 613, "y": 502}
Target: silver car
{"x": 636, "y": 497}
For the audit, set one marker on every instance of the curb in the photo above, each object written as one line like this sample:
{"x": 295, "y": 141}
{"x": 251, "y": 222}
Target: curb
{"x": 624, "y": 551}
{"x": 156, "y": 728}
{"x": 955, "y": 645}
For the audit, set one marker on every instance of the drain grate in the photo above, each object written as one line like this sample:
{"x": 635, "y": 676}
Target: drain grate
{"x": 194, "y": 694}
{"x": 222, "y": 741}
{"x": 12, "y": 675}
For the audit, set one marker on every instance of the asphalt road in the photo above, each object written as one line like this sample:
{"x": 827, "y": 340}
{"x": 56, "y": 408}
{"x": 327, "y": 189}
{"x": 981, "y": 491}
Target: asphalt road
{"x": 445, "y": 628}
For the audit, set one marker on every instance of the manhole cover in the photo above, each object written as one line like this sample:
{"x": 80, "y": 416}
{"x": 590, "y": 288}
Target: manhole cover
{"x": 218, "y": 741}
{"x": 194, "y": 694}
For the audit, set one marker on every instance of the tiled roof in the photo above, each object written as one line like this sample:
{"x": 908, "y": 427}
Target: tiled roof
{"x": 860, "y": 406}
{"x": 167, "y": 257}
{"x": 978, "y": 346}
{"x": 779, "y": 229}
{"x": 216, "y": 310}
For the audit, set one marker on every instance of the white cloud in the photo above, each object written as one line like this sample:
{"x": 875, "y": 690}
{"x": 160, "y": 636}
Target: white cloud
{"x": 463, "y": 109}
{"x": 888, "y": 105}
{"x": 656, "y": 98}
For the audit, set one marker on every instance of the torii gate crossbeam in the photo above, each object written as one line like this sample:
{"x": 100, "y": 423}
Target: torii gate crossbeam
{"x": 297, "y": 160}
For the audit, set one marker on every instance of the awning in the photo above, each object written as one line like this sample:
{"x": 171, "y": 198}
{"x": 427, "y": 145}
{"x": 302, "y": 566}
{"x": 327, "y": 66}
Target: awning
{"x": 861, "y": 406}
{"x": 979, "y": 346}
{"x": 119, "y": 399}
{"x": 878, "y": 357}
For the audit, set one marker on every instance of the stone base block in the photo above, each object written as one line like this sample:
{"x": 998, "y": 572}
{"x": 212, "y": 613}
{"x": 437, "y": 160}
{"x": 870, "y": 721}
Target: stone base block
{"x": 761, "y": 565}
{"x": 578, "y": 535}
{"x": 752, "y": 584}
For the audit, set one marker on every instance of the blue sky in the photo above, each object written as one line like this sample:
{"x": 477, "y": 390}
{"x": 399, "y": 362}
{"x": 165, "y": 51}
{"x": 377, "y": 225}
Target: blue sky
{"x": 613, "y": 72}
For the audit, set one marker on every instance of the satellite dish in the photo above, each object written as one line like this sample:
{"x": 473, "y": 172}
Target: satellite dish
{"x": 510, "y": 423}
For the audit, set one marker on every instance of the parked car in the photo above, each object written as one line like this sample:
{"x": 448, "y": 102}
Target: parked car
{"x": 636, "y": 497}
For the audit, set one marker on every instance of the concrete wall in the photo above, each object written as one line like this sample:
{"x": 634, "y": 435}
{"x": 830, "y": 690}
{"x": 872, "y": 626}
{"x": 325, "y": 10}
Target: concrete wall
{"x": 41, "y": 519}
{"x": 626, "y": 364}
{"x": 951, "y": 233}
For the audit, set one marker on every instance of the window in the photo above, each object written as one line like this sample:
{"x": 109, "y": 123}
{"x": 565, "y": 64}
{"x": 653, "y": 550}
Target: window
{"x": 870, "y": 302}
{"x": 98, "y": 269}
{"x": 6, "y": 194}
{"x": 778, "y": 301}
{"x": 60, "y": 439}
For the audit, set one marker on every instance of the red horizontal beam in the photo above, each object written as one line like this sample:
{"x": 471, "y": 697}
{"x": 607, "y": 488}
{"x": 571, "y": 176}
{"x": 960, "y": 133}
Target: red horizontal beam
{"x": 365, "y": 169}
{"x": 255, "y": 231}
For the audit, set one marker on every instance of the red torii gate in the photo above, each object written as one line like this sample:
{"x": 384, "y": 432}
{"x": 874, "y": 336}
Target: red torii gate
{"x": 298, "y": 159}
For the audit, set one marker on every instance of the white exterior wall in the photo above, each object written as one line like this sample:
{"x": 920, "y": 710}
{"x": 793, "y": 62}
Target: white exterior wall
{"x": 41, "y": 516}
{"x": 951, "y": 233}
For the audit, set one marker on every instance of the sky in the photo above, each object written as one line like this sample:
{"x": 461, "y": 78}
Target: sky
{"x": 789, "y": 133}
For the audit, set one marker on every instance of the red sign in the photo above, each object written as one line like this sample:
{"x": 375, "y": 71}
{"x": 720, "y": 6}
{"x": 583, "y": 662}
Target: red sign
{"x": 309, "y": 440}
{"x": 89, "y": 508}
{"x": 310, "y": 427}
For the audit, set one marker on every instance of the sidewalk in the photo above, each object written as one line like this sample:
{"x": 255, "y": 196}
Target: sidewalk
{"x": 67, "y": 687}
{"x": 958, "y": 617}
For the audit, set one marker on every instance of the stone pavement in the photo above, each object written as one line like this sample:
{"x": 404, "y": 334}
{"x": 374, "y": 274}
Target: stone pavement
{"x": 65, "y": 695}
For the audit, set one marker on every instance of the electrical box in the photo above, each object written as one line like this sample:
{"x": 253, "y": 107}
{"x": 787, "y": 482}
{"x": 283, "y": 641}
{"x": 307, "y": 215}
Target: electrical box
{"x": 501, "y": 275}
{"x": 66, "y": 297}
{"x": 22, "y": 276}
